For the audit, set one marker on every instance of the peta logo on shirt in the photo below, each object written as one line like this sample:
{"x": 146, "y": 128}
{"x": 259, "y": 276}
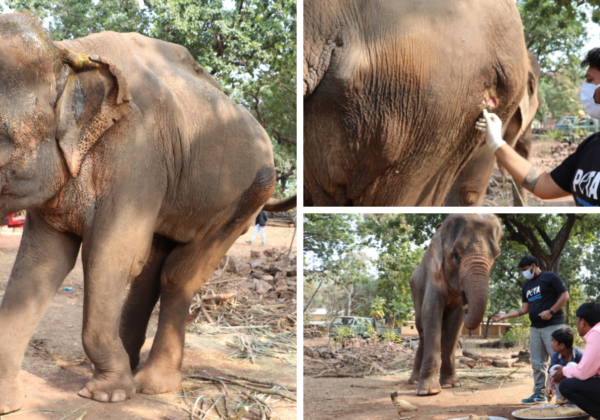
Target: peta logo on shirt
{"x": 587, "y": 184}
{"x": 534, "y": 294}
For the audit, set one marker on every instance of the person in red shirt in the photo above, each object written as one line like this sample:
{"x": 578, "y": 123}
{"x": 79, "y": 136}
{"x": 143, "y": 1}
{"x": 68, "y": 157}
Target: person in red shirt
{"x": 581, "y": 384}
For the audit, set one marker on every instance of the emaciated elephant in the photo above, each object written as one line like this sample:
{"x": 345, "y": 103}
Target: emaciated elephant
{"x": 392, "y": 91}
{"x": 470, "y": 186}
{"x": 450, "y": 287}
{"x": 123, "y": 146}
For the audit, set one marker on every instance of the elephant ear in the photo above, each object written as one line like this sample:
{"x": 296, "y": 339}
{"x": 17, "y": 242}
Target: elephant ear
{"x": 528, "y": 106}
{"x": 436, "y": 258}
{"x": 93, "y": 95}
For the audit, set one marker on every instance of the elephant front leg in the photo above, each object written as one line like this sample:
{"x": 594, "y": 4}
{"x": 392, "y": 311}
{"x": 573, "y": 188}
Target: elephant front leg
{"x": 429, "y": 383}
{"x": 416, "y": 373}
{"x": 44, "y": 260}
{"x": 113, "y": 256}
{"x": 451, "y": 327}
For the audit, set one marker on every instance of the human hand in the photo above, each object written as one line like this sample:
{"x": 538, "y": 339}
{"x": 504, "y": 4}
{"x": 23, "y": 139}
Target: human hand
{"x": 492, "y": 126}
{"x": 557, "y": 376}
{"x": 497, "y": 318}
{"x": 546, "y": 315}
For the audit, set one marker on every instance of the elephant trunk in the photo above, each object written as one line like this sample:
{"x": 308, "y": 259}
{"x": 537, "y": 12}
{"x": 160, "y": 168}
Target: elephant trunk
{"x": 474, "y": 280}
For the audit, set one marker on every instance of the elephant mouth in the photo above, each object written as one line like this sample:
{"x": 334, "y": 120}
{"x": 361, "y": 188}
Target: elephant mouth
{"x": 465, "y": 302}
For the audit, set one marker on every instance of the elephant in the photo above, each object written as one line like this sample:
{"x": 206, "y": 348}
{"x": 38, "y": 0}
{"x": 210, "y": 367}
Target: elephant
{"x": 470, "y": 186}
{"x": 450, "y": 288}
{"x": 121, "y": 146}
{"x": 392, "y": 91}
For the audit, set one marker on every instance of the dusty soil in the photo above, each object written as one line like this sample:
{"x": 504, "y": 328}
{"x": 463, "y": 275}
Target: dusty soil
{"x": 55, "y": 365}
{"x": 369, "y": 398}
{"x": 544, "y": 155}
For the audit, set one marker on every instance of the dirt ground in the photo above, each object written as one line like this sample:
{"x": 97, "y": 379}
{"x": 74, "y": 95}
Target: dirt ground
{"x": 543, "y": 156}
{"x": 55, "y": 365}
{"x": 369, "y": 398}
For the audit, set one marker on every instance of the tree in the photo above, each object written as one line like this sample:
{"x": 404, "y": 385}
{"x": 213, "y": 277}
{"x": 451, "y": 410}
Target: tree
{"x": 327, "y": 237}
{"x": 560, "y": 94}
{"x": 552, "y": 27}
{"x": 535, "y": 232}
{"x": 555, "y": 32}
{"x": 396, "y": 238}
{"x": 562, "y": 243}
{"x": 249, "y": 48}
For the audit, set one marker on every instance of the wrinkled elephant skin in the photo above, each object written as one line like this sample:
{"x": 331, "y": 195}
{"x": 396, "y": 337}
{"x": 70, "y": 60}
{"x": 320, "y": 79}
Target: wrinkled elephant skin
{"x": 123, "y": 147}
{"x": 450, "y": 288}
{"x": 470, "y": 187}
{"x": 392, "y": 91}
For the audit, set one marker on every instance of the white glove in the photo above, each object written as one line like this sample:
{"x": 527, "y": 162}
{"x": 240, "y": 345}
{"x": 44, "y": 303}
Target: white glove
{"x": 492, "y": 126}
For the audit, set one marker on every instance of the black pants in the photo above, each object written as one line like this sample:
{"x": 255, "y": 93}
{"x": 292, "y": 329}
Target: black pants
{"x": 584, "y": 394}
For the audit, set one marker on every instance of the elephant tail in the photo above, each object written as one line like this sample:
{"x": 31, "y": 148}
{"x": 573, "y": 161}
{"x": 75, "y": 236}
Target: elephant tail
{"x": 275, "y": 205}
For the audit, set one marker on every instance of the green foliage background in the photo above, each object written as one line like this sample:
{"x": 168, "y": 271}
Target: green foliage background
{"x": 392, "y": 245}
{"x": 250, "y": 48}
{"x": 555, "y": 32}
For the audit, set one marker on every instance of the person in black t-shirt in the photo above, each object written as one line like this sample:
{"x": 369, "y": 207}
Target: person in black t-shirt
{"x": 543, "y": 297}
{"x": 578, "y": 174}
{"x": 261, "y": 223}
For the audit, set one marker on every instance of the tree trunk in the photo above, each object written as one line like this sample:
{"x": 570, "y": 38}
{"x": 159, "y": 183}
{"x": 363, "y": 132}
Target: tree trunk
{"x": 487, "y": 327}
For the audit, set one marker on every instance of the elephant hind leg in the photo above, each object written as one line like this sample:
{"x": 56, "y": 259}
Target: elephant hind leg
{"x": 184, "y": 272}
{"x": 143, "y": 295}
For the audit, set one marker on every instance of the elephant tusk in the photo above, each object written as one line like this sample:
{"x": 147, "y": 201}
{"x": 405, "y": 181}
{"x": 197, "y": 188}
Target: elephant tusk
{"x": 465, "y": 307}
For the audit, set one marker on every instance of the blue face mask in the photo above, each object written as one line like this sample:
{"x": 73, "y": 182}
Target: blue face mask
{"x": 529, "y": 273}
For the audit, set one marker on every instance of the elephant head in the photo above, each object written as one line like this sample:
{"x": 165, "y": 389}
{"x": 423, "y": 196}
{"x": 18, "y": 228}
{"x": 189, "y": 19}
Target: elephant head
{"x": 470, "y": 186}
{"x": 463, "y": 250}
{"x": 55, "y": 105}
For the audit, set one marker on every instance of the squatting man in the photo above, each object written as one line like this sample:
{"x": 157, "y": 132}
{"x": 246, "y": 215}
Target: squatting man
{"x": 580, "y": 384}
{"x": 543, "y": 297}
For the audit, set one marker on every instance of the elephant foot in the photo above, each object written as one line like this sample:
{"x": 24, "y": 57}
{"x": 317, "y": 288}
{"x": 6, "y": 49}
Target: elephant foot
{"x": 428, "y": 387}
{"x": 11, "y": 397}
{"x": 150, "y": 380}
{"x": 107, "y": 389}
{"x": 414, "y": 378}
{"x": 450, "y": 381}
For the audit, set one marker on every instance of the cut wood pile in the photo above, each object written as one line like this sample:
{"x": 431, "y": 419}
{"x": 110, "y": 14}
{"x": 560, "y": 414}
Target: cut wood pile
{"x": 358, "y": 360}
{"x": 312, "y": 331}
{"x": 259, "y": 292}
{"x": 500, "y": 344}
{"x": 475, "y": 360}
{"x": 282, "y": 219}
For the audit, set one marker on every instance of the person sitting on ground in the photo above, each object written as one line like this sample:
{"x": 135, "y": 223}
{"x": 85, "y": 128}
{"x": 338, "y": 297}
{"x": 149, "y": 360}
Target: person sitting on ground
{"x": 564, "y": 355}
{"x": 581, "y": 384}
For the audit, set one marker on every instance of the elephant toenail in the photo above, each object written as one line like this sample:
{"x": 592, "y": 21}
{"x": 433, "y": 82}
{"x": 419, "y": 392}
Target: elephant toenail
{"x": 101, "y": 396}
{"x": 118, "y": 396}
{"x": 85, "y": 393}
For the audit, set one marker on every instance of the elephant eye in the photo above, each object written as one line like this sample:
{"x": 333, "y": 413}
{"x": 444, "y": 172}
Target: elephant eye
{"x": 455, "y": 257}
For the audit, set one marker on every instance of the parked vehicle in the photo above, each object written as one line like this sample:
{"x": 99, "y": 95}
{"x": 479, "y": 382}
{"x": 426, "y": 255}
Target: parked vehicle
{"x": 360, "y": 326}
{"x": 13, "y": 221}
{"x": 574, "y": 129}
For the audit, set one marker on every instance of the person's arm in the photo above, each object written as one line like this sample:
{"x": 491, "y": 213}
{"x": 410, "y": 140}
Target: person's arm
{"x": 590, "y": 362}
{"x": 562, "y": 300}
{"x": 533, "y": 179}
{"x": 513, "y": 314}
